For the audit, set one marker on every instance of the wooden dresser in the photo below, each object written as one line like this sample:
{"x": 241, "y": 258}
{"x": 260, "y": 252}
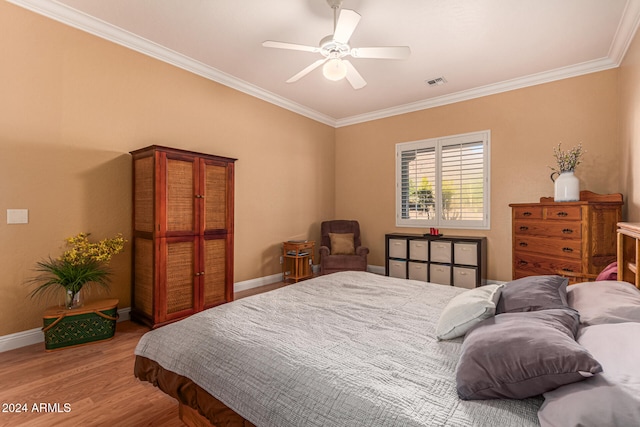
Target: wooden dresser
{"x": 574, "y": 239}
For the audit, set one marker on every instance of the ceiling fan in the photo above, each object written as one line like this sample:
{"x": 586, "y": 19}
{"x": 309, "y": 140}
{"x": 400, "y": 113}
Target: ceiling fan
{"x": 335, "y": 47}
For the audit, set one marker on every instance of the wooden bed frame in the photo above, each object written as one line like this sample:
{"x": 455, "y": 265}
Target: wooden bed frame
{"x": 192, "y": 418}
{"x": 193, "y": 401}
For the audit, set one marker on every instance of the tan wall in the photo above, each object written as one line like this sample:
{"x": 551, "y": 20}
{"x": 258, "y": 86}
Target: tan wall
{"x": 629, "y": 159}
{"x": 525, "y": 125}
{"x": 72, "y": 106}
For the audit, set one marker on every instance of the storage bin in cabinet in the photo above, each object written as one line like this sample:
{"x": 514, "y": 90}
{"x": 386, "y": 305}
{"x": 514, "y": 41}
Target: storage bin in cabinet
{"x": 464, "y": 277}
{"x": 397, "y": 248}
{"x": 419, "y": 250}
{"x": 465, "y": 253}
{"x": 440, "y": 274}
{"x": 441, "y": 251}
{"x": 398, "y": 269}
{"x": 418, "y": 271}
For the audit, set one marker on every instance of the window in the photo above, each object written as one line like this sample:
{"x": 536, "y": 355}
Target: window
{"x": 443, "y": 182}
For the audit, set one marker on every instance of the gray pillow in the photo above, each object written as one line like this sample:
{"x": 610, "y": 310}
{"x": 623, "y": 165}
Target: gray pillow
{"x": 533, "y": 293}
{"x": 611, "y": 398}
{"x": 605, "y": 302}
{"x": 519, "y": 355}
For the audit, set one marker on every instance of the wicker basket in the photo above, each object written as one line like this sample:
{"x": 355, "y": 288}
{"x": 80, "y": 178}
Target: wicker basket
{"x": 93, "y": 322}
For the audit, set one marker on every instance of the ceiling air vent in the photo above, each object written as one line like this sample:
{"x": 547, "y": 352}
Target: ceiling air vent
{"x": 439, "y": 81}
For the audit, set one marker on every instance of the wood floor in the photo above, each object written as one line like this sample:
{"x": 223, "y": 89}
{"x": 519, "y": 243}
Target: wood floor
{"x": 91, "y": 385}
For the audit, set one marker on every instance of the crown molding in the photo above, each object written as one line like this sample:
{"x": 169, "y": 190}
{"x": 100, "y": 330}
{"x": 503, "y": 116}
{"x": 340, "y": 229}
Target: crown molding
{"x": 492, "y": 89}
{"x": 76, "y": 19}
{"x": 625, "y": 32}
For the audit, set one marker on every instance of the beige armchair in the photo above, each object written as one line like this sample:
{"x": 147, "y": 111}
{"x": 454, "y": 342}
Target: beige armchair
{"x": 341, "y": 248}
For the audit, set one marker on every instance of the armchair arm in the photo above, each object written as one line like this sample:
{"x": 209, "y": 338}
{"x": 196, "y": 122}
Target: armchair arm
{"x": 324, "y": 251}
{"x": 362, "y": 251}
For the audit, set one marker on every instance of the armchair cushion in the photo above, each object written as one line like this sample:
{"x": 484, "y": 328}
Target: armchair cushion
{"x": 342, "y": 244}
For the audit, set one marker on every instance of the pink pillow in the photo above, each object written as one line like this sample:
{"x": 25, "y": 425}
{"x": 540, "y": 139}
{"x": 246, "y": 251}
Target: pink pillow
{"x": 610, "y": 272}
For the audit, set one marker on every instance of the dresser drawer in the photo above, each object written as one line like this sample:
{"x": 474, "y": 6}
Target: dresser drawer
{"x": 397, "y": 248}
{"x": 419, "y": 250}
{"x": 440, "y": 274}
{"x": 533, "y": 212}
{"x": 465, "y": 253}
{"x": 563, "y": 212}
{"x": 560, "y": 229}
{"x": 441, "y": 251}
{"x": 418, "y": 271}
{"x": 538, "y": 264}
{"x": 397, "y": 269}
{"x": 563, "y": 248}
{"x": 464, "y": 277}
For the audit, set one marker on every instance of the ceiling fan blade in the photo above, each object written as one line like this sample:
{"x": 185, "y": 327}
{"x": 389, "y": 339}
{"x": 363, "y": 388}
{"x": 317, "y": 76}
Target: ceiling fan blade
{"x": 307, "y": 70}
{"x": 353, "y": 76}
{"x": 346, "y": 25}
{"x": 292, "y": 46}
{"x": 390, "y": 52}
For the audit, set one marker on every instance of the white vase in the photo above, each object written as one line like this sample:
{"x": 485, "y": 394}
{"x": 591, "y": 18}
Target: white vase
{"x": 567, "y": 187}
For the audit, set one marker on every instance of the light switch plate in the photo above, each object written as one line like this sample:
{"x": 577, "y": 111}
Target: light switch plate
{"x": 17, "y": 216}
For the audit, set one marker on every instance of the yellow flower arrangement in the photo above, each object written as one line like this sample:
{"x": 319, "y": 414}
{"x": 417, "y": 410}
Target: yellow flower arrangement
{"x": 82, "y": 251}
{"x": 83, "y": 263}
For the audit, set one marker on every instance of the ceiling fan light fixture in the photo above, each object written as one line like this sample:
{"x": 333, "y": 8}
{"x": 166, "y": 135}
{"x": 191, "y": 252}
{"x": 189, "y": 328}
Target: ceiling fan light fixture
{"x": 334, "y": 69}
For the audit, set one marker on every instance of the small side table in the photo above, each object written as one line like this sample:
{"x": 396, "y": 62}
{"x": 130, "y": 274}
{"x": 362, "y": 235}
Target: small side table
{"x": 297, "y": 258}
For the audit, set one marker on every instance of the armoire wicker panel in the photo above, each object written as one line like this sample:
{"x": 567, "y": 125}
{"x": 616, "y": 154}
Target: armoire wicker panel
{"x": 180, "y": 185}
{"x": 215, "y": 215}
{"x": 215, "y": 271}
{"x": 143, "y": 197}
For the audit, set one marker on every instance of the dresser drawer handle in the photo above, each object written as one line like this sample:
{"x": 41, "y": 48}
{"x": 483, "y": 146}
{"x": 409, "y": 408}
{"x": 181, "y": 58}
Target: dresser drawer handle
{"x": 567, "y": 230}
{"x": 523, "y": 244}
{"x": 522, "y": 262}
{"x": 568, "y": 270}
{"x": 526, "y": 214}
{"x": 562, "y": 213}
{"x": 523, "y": 228}
{"x": 567, "y": 250}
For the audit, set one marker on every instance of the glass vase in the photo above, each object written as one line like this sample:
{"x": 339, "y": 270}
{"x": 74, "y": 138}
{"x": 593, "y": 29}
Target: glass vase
{"x": 73, "y": 300}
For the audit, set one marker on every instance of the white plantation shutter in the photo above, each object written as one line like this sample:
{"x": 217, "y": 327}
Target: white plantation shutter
{"x": 418, "y": 171}
{"x": 443, "y": 182}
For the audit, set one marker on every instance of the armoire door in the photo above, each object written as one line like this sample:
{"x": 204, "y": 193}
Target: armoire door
{"x": 179, "y": 179}
{"x": 179, "y": 271}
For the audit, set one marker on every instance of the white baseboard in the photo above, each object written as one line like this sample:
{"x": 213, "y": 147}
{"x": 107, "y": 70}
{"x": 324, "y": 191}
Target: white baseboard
{"x": 377, "y": 269}
{"x": 36, "y": 336}
{"x": 255, "y": 283}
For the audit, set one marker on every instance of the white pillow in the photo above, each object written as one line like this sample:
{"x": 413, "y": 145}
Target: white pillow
{"x": 466, "y": 310}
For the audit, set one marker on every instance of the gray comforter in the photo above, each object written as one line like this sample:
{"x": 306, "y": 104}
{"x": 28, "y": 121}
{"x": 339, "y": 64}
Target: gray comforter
{"x": 347, "y": 349}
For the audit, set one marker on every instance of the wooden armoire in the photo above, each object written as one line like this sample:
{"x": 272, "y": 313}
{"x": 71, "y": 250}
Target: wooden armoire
{"x": 182, "y": 233}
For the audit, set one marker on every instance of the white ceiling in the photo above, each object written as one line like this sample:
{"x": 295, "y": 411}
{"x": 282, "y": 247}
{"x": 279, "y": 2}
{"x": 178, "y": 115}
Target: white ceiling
{"x": 479, "y": 46}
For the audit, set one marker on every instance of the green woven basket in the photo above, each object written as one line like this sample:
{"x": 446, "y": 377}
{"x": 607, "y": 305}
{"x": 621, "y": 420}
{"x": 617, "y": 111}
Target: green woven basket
{"x": 68, "y": 328}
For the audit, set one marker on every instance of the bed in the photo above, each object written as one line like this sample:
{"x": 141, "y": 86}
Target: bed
{"x": 346, "y": 349}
